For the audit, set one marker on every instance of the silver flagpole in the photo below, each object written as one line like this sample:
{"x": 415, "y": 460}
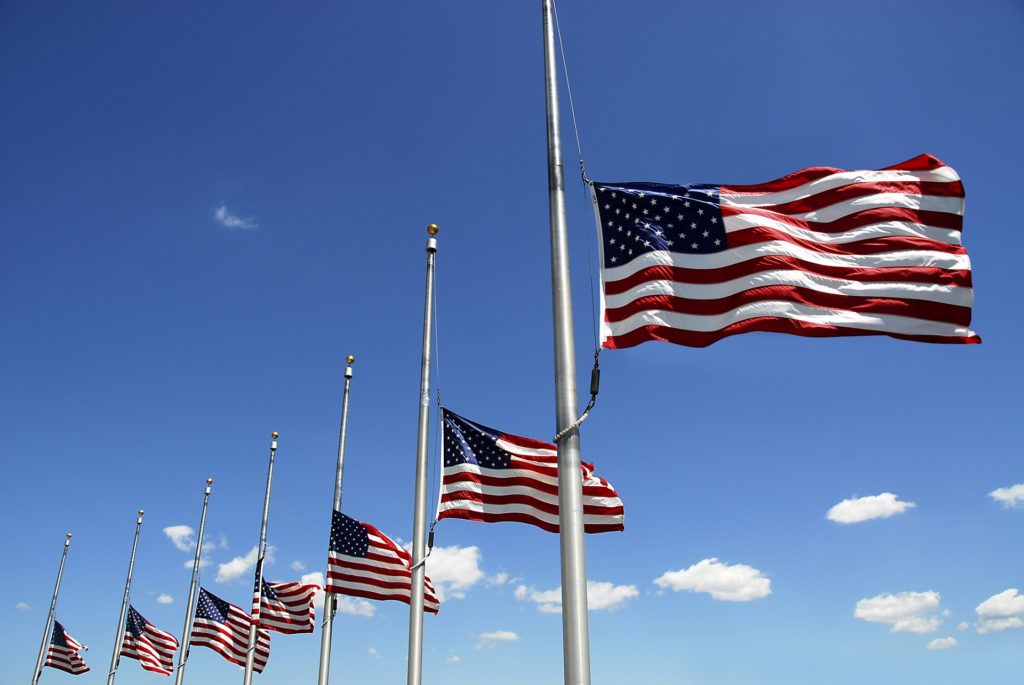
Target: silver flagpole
{"x": 250, "y": 655}
{"x": 190, "y": 607}
{"x": 575, "y": 631}
{"x": 119, "y": 638}
{"x": 419, "y": 525}
{"x": 49, "y": 617}
{"x": 330, "y": 603}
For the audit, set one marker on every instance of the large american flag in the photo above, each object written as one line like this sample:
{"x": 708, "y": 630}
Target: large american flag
{"x": 63, "y": 652}
{"x": 364, "y": 562}
{"x": 287, "y": 607}
{"x": 224, "y": 628}
{"x": 151, "y": 646}
{"x": 493, "y": 476}
{"x": 820, "y": 252}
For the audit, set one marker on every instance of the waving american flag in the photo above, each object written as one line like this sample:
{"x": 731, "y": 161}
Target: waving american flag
{"x": 151, "y": 646}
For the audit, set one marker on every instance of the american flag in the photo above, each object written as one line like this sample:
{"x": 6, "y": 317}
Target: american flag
{"x": 63, "y": 652}
{"x": 224, "y": 628}
{"x": 287, "y": 607}
{"x": 493, "y": 476}
{"x": 820, "y": 252}
{"x": 151, "y": 646}
{"x": 364, "y": 562}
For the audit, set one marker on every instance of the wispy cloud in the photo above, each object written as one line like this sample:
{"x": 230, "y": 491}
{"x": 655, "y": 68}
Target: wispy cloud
{"x": 729, "y": 583}
{"x": 228, "y": 219}
{"x": 1001, "y": 612}
{"x": 493, "y": 638}
{"x": 1010, "y": 497}
{"x": 942, "y": 643}
{"x": 203, "y": 563}
{"x": 372, "y": 651}
{"x": 453, "y": 659}
{"x": 297, "y": 565}
{"x": 22, "y": 606}
{"x": 601, "y": 596}
{"x": 861, "y": 509}
{"x": 240, "y": 565}
{"x": 906, "y": 612}
{"x": 164, "y": 599}
{"x": 182, "y": 537}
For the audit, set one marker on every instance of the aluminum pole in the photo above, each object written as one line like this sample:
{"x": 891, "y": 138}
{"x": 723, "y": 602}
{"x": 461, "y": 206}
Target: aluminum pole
{"x": 119, "y": 637}
{"x": 419, "y": 525}
{"x": 48, "y": 630}
{"x": 575, "y": 630}
{"x": 190, "y": 606}
{"x": 257, "y": 600}
{"x": 330, "y": 602}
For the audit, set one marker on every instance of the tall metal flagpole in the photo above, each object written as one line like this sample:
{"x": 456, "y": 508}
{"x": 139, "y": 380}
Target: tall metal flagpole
{"x": 575, "y": 630}
{"x": 330, "y": 602}
{"x": 419, "y": 526}
{"x": 119, "y": 637}
{"x": 190, "y": 607}
{"x": 49, "y": 617}
{"x": 250, "y": 655}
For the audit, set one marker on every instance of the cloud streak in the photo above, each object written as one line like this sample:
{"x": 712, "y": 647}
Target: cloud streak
{"x": 1011, "y": 497}
{"x": 862, "y": 509}
{"x": 226, "y": 218}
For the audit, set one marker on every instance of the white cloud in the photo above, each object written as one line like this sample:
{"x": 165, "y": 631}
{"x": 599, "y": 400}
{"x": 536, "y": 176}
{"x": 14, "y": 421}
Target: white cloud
{"x": 491, "y": 639}
{"x": 1012, "y": 496}
{"x": 22, "y": 606}
{"x": 226, "y": 218}
{"x": 963, "y": 625}
{"x": 372, "y": 651}
{"x": 220, "y": 543}
{"x": 239, "y": 565}
{"x": 164, "y": 599}
{"x": 600, "y": 596}
{"x": 867, "y": 508}
{"x": 942, "y": 643}
{"x": 454, "y": 570}
{"x": 452, "y": 659}
{"x": 297, "y": 566}
{"x": 497, "y": 579}
{"x": 1001, "y": 612}
{"x": 735, "y": 583}
{"x": 182, "y": 537}
{"x": 203, "y": 563}
{"x": 906, "y": 612}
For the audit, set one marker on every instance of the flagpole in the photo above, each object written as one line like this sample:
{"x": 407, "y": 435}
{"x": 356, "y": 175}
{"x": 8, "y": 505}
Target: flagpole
{"x": 49, "y": 617}
{"x": 575, "y": 630}
{"x": 119, "y": 638}
{"x": 190, "y": 607}
{"x": 250, "y": 655}
{"x": 330, "y": 602}
{"x": 419, "y": 526}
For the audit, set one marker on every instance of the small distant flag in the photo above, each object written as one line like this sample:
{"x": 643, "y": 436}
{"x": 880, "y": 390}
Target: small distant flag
{"x": 492, "y": 476}
{"x": 63, "y": 652}
{"x": 364, "y": 562}
{"x": 224, "y": 628}
{"x": 151, "y": 646}
{"x": 288, "y": 607}
{"x": 820, "y": 252}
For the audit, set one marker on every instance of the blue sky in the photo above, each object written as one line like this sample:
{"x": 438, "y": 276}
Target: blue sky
{"x": 204, "y": 207}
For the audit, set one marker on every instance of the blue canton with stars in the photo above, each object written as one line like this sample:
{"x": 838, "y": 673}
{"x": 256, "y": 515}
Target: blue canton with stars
{"x": 212, "y": 607}
{"x": 348, "y": 536}
{"x": 58, "y": 638}
{"x": 136, "y": 623}
{"x": 637, "y": 218}
{"x": 466, "y": 442}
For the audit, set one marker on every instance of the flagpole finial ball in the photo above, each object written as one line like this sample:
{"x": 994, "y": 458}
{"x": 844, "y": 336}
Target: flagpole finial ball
{"x": 69, "y": 536}
{"x": 274, "y": 435}
{"x": 432, "y": 229}
{"x": 141, "y": 512}
{"x": 209, "y": 481}
{"x": 350, "y": 359}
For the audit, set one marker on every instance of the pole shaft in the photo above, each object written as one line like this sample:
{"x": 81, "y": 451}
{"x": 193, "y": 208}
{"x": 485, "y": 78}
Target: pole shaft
{"x": 419, "y": 534}
{"x": 575, "y": 630}
{"x": 119, "y": 636}
{"x": 323, "y": 674}
{"x": 49, "y": 617}
{"x": 250, "y": 655}
{"x": 190, "y": 607}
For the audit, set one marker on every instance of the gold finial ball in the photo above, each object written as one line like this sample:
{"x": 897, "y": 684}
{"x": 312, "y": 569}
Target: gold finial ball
{"x": 350, "y": 359}
{"x": 432, "y": 229}
{"x": 209, "y": 481}
{"x": 141, "y": 512}
{"x": 69, "y": 536}
{"x": 274, "y": 435}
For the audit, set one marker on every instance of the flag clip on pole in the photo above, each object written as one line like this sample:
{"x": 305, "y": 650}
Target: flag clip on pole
{"x": 330, "y": 603}
{"x": 257, "y": 597}
{"x": 119, "y": 637}
{"x": 575, "y": 630}
{"x": 190, "y": 606}
{"x": 419, "y": 526}
{"x": 49, "y": 617}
